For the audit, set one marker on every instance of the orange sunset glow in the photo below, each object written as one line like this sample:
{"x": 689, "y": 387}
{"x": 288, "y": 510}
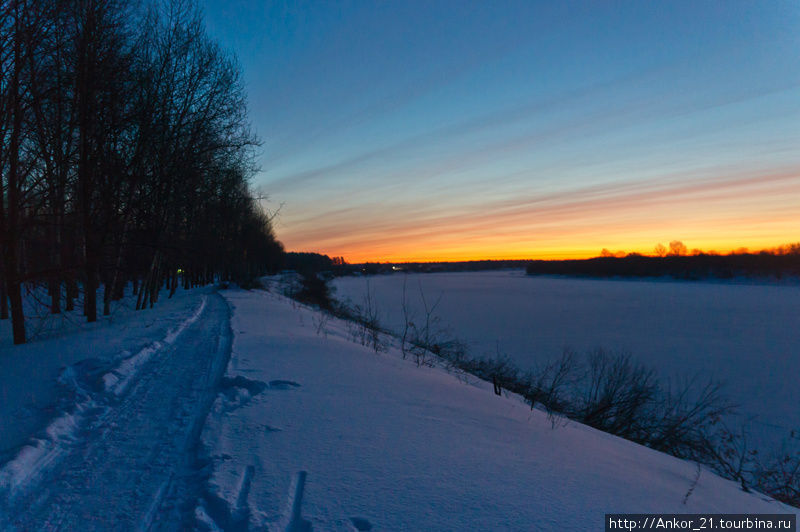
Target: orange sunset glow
{"x": 721, "y": 214}
{"x": 550, "y": 134}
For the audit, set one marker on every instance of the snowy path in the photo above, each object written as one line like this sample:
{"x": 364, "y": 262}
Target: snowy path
{"x": 131, "y": 465}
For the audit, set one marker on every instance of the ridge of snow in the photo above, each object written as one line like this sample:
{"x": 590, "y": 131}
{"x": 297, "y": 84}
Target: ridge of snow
{"x": 34, "y": 458}
{"x": 173, "y": 335}
{"x": 118, "y": 380}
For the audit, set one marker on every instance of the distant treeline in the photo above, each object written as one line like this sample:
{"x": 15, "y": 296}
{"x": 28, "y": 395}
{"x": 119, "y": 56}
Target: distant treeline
{"x": 687, "y": 267}
{"x": 125, "y": 155}
{"x": 372, "y": 268}
{"x": 309, "y": 262}
{"x": 674, "y": 262}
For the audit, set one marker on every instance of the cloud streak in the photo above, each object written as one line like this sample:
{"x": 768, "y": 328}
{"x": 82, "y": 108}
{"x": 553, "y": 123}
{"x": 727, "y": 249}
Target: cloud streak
{"x": 724, "y": 204}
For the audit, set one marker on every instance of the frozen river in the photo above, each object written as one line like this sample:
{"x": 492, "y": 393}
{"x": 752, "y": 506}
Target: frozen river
{"x": 746, "y": 335}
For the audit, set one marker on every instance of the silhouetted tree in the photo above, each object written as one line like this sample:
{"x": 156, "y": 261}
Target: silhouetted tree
{"x": 677, "y": 249}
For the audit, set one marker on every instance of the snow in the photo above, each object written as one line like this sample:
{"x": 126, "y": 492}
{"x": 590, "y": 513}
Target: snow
{"x": 255, "y": 412}
{"x": 122, "y": 454}
{"x": 173, "y": 335}
{"x": 30, "y": 396}
{"x": 746, "y": 335}
{"x": 117, "y": 380}
{"x": 386, "y": 445}
{"x": 41, "y": 453}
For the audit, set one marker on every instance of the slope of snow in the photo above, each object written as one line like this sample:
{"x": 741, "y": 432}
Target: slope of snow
{"x": 745, "y": 335}
{"x": 389, "y": 446}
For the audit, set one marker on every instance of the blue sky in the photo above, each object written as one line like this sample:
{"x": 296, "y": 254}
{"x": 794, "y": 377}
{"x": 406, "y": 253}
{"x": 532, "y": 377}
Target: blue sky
{"x": 453, "y": 130}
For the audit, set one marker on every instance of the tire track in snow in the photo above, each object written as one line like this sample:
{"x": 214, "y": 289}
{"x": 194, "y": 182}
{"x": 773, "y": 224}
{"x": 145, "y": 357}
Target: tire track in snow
{"x": 132, "y": 467}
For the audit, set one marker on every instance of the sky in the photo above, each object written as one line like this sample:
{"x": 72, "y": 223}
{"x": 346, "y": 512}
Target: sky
{"x": 458, "y": 130}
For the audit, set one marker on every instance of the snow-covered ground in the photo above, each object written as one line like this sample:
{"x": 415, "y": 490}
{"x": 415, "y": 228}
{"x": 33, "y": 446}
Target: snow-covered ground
{"x": 746, "y": 335}
{"x": 30, "y": 392}
{"x": 101, "y": 423}
{"x": 390, "y": 446}
{"x": 185, "y": 417}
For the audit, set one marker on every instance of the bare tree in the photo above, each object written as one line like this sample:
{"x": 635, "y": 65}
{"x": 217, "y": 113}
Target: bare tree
{"x": 19, "y": 23}
{"x": 677, "y": 249}
{"x": 407, "y": 318}
{"x": 125, "y": 154}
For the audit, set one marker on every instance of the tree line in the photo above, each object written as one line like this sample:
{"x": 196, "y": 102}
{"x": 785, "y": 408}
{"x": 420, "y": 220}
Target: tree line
{"x": 777, "y": 263}
{"x": 125, "y": 155}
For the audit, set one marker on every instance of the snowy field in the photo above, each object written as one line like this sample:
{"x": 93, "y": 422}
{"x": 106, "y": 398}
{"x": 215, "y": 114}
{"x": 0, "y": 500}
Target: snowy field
{"x": 390, "y": 446}
{"x": 746, "y": 335}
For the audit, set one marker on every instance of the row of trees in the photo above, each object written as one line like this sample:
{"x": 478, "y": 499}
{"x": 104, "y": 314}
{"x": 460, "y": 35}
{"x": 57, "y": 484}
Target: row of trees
{"x": 676, "y": 249}
{"x": 777, "y": 263}
{"x": 679, "y": 249}
{"x": 125, "y": 154}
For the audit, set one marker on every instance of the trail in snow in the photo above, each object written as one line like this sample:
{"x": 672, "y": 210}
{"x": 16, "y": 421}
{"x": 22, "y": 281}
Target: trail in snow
{"x": 129, "y": 465}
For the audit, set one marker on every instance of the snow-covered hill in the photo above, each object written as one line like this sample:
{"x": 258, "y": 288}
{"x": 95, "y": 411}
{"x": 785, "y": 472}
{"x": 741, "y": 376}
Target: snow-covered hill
{"x": 390, "y": 446}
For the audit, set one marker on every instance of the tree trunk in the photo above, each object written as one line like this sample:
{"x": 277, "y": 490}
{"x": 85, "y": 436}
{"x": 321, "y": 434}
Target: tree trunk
{"x": 11, "y": 244}
{"x": 72, "y": 293}
{"x": 119, "y": 288}
{"x": 147, "y": 284}
{"x": 17, "y": 317}
{"x": 90, "y": 290}
{"x": 3, "y": 295}
{"x": 142, "y": 294}
{"x": 174, "y": 285}
{"x": 107, "y": 291}
{"x": 54, "y": 244}
{"x": 86, "y": 161}
{"x": 156, "y": 280}
{"x": 54, "y": 287}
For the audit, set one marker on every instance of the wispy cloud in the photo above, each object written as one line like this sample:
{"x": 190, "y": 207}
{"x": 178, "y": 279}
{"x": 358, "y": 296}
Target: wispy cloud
{"x": 578, "y": 215}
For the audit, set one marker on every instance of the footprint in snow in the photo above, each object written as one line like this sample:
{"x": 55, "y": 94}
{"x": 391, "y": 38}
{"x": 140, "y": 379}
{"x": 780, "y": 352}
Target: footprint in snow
{"x": 361, "y": 524}
{"x": 237, "y": 391}
{"x": 283, "y": 385}
{"x": 253, "y": 387}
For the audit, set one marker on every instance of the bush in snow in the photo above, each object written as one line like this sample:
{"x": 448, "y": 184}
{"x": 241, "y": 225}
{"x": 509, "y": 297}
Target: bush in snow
{"x": 314, "y": 290}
